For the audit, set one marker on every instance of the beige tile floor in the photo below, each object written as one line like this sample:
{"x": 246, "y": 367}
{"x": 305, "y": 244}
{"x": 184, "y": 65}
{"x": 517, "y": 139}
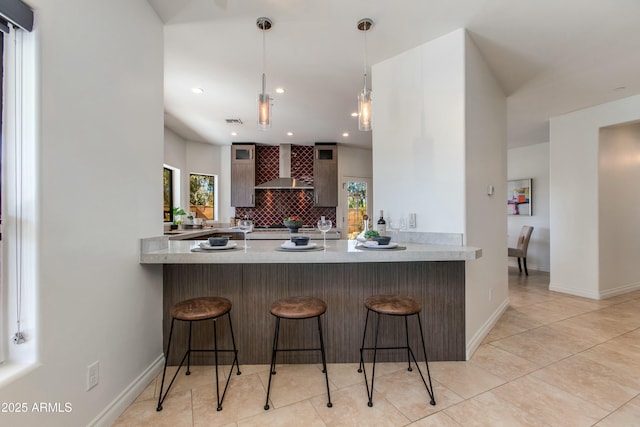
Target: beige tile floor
{"x": 551, "y": 360}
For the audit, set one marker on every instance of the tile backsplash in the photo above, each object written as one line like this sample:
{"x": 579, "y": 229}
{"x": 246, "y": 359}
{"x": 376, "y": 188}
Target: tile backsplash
{"x": 272, "y": 206}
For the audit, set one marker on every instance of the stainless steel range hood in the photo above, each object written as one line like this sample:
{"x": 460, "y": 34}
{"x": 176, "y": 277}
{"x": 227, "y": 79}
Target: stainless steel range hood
{"x": 284, "y": 181}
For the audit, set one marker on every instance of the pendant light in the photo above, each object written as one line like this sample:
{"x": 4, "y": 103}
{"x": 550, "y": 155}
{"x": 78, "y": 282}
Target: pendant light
{"x": 364, "y": 98}
{"x": 264, "y": 101}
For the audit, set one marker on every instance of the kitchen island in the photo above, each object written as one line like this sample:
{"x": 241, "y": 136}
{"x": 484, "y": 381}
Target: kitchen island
{"x": 343, "y": 276}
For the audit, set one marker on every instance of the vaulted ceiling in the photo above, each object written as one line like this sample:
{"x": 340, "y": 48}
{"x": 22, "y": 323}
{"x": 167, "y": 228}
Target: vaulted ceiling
{"x": 550, "y": 57}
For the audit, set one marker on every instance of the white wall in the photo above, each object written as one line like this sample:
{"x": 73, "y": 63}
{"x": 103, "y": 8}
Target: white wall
{"x": 619, "y": 231}
{"x": 419, "y": 136}
{"x": 205, "y": 159}
{"x": 574, "y": 200}
{"x": 485, "y": 221}
{"x": 439, "y": 139}
{"x": 531, "y": 161}
{"x": 352, "y": 162}
{"x": 101, "y": 113}
{"x": 195, "y": 157}
{"x": 175, "y": 155}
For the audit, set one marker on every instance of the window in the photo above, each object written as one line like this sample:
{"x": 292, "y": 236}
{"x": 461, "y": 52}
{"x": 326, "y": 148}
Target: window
{"x": 202, "y": 195}
{"x": 19, "y": 202}
{"x": 168, "y": 194}
{"x": 171, "y": 191}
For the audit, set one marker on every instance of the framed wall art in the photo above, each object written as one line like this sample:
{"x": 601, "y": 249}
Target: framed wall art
{"x": 519, "y": 197}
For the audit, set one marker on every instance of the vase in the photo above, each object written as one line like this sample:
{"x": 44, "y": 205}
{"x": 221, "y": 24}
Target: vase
{"x": 293, "y": 226}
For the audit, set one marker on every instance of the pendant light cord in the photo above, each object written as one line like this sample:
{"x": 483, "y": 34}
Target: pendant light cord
{"x": 365, "y": 58}
{"x": 264, "y": 57}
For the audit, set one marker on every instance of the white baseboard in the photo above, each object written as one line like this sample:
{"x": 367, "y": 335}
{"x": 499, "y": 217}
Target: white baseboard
{"x": 576, "y": 292}
{"x": 476, "y": 340}
{"x": 111, "y": 413}
{"x": 620, "y": 290}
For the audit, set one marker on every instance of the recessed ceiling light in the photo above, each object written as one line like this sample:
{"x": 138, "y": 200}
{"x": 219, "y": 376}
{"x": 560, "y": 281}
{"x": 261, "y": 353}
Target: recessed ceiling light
{"x": 345, "y": 134}
{"x": 280, "y": 90}
{"x": 354, "y": 114}
{"x": 234, "y": 133}
{"x": 289, "y": 133}
{"x": 197, "y": 90}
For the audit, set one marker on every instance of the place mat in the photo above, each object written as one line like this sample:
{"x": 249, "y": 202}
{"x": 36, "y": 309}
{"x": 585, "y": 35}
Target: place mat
{"x": 209, "y": 251}
{"x": 317, "y": 248}
{"x": 397, "y": 248}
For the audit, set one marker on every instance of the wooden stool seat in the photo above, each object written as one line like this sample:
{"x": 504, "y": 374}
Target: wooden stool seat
{"x": 201, "y": 308}
{"x": 298, "y": 307}
{"x": 395, "y": 305}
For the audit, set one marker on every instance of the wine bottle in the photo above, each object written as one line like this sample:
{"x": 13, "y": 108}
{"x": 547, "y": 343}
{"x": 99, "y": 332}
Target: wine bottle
{"x": 382, "y": 224}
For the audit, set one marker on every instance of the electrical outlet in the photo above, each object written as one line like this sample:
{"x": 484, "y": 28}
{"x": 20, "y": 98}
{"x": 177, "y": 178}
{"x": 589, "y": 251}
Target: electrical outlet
{"x": 93, "y": 375}
{"x": 490, "y": 294}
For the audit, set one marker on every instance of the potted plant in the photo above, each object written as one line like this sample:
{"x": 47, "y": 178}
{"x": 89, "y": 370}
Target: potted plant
{"x": 293, "y": 223}
{"x": 178, "y": 217}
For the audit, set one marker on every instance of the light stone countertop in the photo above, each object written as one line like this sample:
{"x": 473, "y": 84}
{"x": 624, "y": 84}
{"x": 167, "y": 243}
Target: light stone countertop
{"x": 256, "y": 234}
{"x": 160, "y": 250}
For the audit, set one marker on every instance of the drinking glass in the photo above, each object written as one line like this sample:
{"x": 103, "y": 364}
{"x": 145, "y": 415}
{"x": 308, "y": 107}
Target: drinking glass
{"x": 394, "y": 227}
{"x": 324, "y": 225}
{"x": 245, "y": 226}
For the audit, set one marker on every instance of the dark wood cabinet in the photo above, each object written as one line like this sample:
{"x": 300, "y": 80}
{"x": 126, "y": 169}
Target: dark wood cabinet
{"x": 243, "y": 175}
{"x": 325, "y": 174}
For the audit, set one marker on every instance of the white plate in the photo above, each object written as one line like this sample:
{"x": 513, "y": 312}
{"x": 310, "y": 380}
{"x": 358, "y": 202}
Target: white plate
{"x": 208, "y": 247}
{"x": 299, "y": 248}
{"x": 369, "y": 245}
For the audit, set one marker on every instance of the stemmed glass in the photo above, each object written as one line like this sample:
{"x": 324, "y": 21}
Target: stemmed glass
{"x": 245, "y": 226}
{"x": 324, "y": 225}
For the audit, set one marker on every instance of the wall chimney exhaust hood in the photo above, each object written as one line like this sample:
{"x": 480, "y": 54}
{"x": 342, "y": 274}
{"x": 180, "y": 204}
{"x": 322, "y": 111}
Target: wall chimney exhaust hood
{"x": 284, "y": 181}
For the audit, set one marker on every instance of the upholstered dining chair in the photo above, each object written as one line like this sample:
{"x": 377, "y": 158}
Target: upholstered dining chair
{"x": 520, "y": 251}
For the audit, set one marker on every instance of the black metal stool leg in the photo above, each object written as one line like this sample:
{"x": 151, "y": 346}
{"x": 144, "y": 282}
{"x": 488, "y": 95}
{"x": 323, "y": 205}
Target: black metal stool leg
{"x": 373, "y": 369}
{"x": 426, "y": 362}
{"x": 364, "y": 335}
{"x": 406, "y": 333}
{"x": 324, "y": 363}
{"x": 235, "y": 350}
{"x": 189, "y": 352}
{"x": 272, "y": 367}
{"x": 215, "y": 354}
{"x": 235, "y": 362}
{"x": 164, "y": 371}
{"x": 519, "y": 266}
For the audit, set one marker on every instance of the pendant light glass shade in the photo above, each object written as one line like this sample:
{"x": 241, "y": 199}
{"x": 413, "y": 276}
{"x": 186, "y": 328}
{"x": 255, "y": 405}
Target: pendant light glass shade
{"x": 264, "y": 108}
{"x": 264, "y": 101}
{"x": 364, "y": 98}
{"x": 364, "y": 110}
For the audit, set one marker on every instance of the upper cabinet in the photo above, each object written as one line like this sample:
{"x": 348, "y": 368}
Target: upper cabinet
{"x": 243, "y": 175}
{"x": 325, "y": 174}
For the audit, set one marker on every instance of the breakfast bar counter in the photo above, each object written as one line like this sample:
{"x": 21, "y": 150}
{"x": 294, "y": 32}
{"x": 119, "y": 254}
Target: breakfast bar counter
{"x": 343, "y": 275}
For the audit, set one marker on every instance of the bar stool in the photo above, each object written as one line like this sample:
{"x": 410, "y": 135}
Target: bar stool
{"x": 193, "y": 310}
{"x": 393, "y": 305}
{"x": 296, "y": 308}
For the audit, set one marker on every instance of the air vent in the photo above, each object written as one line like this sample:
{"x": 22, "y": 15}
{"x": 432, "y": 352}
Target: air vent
{"x": 234, "y": 121}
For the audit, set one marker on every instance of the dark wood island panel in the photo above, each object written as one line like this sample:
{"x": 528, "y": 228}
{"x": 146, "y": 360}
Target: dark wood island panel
{"x": 439, "y": 285}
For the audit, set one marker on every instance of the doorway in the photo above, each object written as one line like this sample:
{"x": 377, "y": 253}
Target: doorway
{"x": 356, "y": 201}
